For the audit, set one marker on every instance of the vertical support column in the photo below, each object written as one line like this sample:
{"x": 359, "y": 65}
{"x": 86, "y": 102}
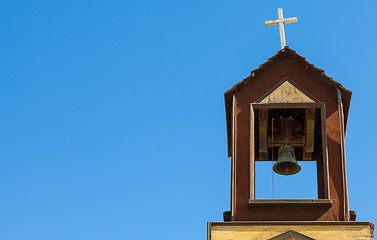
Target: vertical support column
{"x": 252, "y": 154}
{"x": 233, "y": 171}
{"x": 325, "y": 153}
{"x": 209, "y": 224}
{"x": 343, "y": 154}
{"x": 309, "y": 133}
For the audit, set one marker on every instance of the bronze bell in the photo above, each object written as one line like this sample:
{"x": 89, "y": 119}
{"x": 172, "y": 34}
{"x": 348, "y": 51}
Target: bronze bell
{"x": 286, "y": 163}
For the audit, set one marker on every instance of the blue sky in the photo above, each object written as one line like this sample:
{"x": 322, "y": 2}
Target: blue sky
{"x": 112, "y": 112}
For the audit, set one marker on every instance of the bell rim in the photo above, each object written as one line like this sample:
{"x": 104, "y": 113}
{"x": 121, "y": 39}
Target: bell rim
{"x": 283, "y": 173}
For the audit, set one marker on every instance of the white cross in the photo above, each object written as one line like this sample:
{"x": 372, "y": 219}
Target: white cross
{"x": 281, "y": 21}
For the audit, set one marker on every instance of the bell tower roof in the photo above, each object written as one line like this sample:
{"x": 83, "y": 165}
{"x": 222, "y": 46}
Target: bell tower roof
{"x": 294, "y": 60}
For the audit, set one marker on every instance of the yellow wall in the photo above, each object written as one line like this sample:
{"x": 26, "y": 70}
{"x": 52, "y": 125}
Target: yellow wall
{"x": 325, "y": 231}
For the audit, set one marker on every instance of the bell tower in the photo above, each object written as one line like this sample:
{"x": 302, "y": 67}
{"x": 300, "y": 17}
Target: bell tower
{"x": 288, "y": 112}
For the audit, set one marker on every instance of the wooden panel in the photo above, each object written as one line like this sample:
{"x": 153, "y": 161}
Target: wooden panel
{"x": 267, "y": 230}
{"x": 286, "y": 93}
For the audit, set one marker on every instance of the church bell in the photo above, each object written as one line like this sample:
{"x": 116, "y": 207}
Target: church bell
{"x": 286, "y": 163}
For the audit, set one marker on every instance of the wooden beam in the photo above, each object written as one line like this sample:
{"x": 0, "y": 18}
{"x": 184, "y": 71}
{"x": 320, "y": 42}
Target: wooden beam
{"x": 307, "y": 156}
{"x": 209, "y": 224}
{"x": 297, "y": 141}
{"x": 233, "y": 167}
{"x": 252, "y": 154}
{"x": 277, "y": 21}
{"x": 263, "y": 134}
{"x": 290, "y": 203}
{"x": 309, "y": 129}
{"x": 343, "y": 154}
{"x": 287, "y": 105}
{"x": 325, "y": 154}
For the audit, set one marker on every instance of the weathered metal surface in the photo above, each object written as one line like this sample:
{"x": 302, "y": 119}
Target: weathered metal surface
{"x": 297, "y": 70}
{"x": 286, "y": 163}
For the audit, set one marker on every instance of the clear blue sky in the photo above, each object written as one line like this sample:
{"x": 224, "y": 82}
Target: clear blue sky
{"x": 112, "y": 112}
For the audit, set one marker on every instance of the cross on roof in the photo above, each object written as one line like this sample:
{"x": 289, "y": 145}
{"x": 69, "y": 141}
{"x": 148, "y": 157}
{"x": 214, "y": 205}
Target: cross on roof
{"x": 281, "y": 21}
